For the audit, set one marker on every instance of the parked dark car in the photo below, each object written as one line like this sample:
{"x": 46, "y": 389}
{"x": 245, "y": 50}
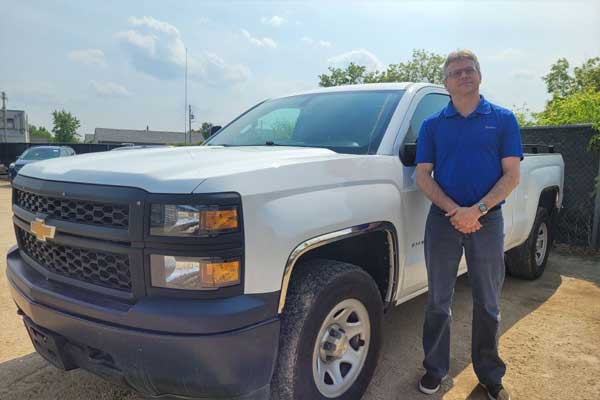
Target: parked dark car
{"x": 38, "y": 153}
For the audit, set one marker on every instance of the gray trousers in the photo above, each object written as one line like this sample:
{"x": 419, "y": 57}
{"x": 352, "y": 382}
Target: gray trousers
{"x": 485, "y": 261}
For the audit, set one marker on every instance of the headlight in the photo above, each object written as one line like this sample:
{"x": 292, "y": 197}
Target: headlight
{"x": 192, "y": 220}
{"x": 193, "y": 273}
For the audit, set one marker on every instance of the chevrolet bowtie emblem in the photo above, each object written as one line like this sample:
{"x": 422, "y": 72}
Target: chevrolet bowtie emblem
{"x": 41, "y": 230}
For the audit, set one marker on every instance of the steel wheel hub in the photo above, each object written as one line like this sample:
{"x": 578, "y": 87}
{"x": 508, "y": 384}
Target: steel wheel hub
{"x": 341, "y": 348}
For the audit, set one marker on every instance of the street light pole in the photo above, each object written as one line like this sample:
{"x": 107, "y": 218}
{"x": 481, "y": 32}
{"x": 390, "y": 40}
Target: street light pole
{"x": 5, "y": 137}
{"x": 186, "y": 107}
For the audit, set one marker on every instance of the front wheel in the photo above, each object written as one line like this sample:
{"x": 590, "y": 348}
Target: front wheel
{"x": 330, "y": 333}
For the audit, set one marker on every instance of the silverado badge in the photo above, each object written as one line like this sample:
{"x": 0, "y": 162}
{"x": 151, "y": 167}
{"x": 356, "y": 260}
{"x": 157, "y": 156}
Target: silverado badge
{"x": 41, "y": 230}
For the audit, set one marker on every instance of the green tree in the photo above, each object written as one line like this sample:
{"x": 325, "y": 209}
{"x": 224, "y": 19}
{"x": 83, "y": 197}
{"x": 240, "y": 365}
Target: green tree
{"x": 205, "y": 129}
{"x": 560, "y": 83}
{"x": 40, "y": 132}
{"x": 577, "y": 108}
{"x": 65, "y": 127}
{"x": 588, "y": 75}
{"x": 423, "y": 67}
{"x": 353, "y": 74}
{"x": 575, "y": 98}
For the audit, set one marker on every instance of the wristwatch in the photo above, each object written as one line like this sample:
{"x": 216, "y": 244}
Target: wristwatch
{"x": 482, "y": 208}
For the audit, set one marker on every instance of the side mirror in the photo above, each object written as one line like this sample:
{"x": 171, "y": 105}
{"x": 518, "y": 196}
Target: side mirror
{"x": 408, "y": 154}
{"x": 214, "y": 129}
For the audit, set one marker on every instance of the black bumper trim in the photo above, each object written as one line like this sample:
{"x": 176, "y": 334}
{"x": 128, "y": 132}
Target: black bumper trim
{"x": 231, "y": 365}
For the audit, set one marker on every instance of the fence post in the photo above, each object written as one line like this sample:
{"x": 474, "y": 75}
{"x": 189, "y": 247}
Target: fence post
{"x": 596, "y": 223}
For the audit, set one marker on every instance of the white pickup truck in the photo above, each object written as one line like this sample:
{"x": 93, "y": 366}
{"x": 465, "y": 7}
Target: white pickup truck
{"x": 256, "y": 266}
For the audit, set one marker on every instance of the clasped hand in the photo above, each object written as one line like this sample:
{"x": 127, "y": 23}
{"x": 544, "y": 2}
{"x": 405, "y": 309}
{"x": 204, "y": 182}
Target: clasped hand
{"x": 465, "y": 219}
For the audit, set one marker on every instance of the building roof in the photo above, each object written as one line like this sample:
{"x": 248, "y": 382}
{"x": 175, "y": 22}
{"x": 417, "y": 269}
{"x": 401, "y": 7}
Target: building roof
{"x": 141, "y": 136}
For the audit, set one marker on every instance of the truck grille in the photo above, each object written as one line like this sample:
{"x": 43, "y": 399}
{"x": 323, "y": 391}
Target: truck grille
{"x": 100, "y": 268}
{"x": 87, "y": 212}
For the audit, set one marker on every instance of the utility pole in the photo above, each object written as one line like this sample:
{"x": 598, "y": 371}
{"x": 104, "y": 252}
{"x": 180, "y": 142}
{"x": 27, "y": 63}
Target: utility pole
{"x": 191, "y": 117}
{"x": 4, "y": 98}
{"x": 186, "y": 107}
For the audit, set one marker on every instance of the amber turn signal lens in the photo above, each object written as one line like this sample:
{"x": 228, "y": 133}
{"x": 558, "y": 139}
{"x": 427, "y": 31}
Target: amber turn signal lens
{"x": 218, "y": 220}
{"x": 214, "y": 275}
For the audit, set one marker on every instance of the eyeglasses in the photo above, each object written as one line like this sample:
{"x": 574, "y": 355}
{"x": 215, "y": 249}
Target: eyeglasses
{"x": 458, "y": 73}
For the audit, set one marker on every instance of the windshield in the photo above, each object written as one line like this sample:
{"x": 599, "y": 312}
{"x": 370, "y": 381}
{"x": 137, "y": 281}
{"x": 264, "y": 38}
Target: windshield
{"x": 345, "y": 122}
{"x": 39, "y": 154}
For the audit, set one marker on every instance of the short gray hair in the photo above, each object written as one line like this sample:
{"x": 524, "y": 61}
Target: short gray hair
{"x": 461, "y": 55}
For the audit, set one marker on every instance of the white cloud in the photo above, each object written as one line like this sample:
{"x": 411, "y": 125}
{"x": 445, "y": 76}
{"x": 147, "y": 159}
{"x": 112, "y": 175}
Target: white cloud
{"x": 319, "y": 43}
{"x": 88, "y": 57}
{"x": 153, "y": 24}
{"x": 109, "y": 89}
{"x": 358, "y": 56}
{"x": 268, "y": 42}
{"x": 157, "y": 49}
{"x": 216, "y": 67}
{"x": 274, "y": 21}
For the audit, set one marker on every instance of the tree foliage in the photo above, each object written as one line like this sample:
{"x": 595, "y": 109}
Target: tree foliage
{"x": 575, "y": 97}
{"x": 40, "y": 132}
{"x": 65, "y": 127}
{"x": 579, "y": 107}
{"x": 423, "y": 67}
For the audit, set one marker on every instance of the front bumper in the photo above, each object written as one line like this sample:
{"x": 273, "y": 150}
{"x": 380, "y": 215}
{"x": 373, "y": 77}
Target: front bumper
{"x": 234, "y": 364}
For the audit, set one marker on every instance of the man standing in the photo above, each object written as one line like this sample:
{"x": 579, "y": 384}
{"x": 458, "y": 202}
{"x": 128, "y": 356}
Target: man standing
{"x": 474, "y": 149}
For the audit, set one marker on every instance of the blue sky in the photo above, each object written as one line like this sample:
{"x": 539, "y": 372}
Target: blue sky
{"x": 120, "y": 64}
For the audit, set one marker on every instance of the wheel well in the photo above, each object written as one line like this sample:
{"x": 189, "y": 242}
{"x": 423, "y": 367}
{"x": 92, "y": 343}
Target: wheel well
{"x": 370, "y": 251}
{"x": 548, "y": 199}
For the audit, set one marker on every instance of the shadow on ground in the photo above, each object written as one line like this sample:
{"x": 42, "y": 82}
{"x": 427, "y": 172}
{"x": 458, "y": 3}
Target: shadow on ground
{"x": 30, "y": 377}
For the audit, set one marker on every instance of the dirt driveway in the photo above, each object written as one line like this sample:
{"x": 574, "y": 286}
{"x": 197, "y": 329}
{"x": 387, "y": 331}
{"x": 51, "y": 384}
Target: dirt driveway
{"x": 550, "y": 341}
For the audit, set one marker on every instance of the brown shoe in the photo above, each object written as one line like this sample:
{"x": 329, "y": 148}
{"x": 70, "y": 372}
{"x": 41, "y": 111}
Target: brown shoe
{"x": 496, "y": 392}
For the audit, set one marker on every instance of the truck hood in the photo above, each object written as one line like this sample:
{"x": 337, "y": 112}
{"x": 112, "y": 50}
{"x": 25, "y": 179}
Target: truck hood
{"x": 171, "y": 170}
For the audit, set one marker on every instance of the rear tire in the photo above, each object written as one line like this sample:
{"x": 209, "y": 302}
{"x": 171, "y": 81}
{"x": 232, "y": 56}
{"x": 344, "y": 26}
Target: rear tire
{"x": 528, "y": 261}
{"x": 331, "y": 332}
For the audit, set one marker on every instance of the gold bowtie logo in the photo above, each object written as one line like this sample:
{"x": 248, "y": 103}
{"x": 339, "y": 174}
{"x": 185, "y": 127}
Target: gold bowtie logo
{"x": 41, "y": 230}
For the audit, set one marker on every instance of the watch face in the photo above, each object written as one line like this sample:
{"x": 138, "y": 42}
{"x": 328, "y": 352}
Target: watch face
{"x": 482, "y": 208}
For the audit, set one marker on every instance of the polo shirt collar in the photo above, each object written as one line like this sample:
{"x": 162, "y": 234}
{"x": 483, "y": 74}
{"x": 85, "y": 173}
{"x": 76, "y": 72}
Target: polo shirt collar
{"x": 482, "y": 108}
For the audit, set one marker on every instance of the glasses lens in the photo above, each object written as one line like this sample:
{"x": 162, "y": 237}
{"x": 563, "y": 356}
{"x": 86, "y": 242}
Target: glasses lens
{"x": 458, "y": 73}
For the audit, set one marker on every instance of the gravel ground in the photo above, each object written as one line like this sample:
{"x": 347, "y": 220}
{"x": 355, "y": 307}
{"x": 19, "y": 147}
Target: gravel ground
{"x": 550, "y": 341}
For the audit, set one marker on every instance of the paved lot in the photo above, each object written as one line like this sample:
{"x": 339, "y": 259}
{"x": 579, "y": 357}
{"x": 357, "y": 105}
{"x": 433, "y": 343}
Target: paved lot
{"x": 550, "y": 341}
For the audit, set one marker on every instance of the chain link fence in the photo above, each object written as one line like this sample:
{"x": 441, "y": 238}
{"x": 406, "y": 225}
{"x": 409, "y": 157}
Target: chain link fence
{"x": 576, "y": 220}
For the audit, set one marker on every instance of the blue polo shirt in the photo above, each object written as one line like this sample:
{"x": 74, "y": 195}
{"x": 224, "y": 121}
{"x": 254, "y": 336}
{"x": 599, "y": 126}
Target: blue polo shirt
{"x": 467, "y": 152}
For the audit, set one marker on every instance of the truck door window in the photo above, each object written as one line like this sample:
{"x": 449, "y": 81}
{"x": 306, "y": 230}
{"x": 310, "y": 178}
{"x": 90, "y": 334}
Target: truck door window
{"x": 428, "y": 105}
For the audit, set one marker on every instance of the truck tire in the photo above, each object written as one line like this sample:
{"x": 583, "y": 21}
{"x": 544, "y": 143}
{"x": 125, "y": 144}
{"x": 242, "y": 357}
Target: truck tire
{"x": 330, "y": 336}
{"x": 528, "y": 261}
